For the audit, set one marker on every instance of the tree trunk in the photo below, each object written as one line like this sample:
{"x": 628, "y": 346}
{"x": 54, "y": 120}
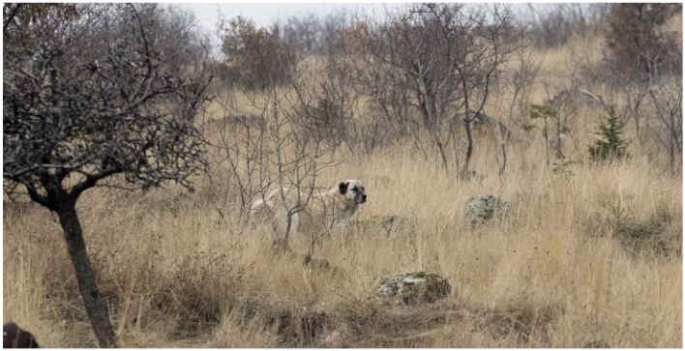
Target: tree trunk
{"x": 469, "y": 148}
{"x": 95, "y": 307}
{"x": 503, "y": 168}
{"x": 546, "y": 132}
{"x": 443, "y": 154}
{"x": 671, "y": 155}
{"x": 674, "y": 143}
{"x": 560, "y": 154}
{"x": 467, "y": 125}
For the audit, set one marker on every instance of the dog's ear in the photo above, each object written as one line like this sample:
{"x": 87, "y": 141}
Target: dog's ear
{"x": 343, "y": 187}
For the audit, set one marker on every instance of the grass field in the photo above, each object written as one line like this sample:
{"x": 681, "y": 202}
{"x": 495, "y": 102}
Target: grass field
{"x": 588, "y": 255}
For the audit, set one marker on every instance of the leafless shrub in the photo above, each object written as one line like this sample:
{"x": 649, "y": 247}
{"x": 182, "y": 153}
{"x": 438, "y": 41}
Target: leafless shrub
{"x": 520, "y": 84}
{"x": 329, "y": 102}
{"x": 553, "y": 25}
{"x": 325, "y": 112}
{"x": 667, "y": 100}
{"x": 439, "y": 61}
{"x": 303, "y": 33}
{"x": 638, "y": 49}
{"x": 239, "y": 141}
{"x": 272, "y": 153}
{"x": 257, "y": 57}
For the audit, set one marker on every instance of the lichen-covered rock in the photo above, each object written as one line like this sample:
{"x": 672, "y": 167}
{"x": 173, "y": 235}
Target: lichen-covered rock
{"x": 414, "y": 288}
{"x": 480, "y": 209}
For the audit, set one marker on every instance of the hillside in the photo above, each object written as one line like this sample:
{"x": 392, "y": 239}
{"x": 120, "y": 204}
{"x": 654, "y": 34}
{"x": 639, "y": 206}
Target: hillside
{"x": 590, "y": 253}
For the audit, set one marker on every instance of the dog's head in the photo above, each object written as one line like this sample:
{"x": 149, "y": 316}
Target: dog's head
{"x": 353, "y": 191}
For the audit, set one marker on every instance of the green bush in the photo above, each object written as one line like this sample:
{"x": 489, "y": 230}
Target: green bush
{"x": 611, "y": 146}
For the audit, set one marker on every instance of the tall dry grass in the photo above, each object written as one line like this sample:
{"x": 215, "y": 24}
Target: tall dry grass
{"x": 587, "y": 255}
{"x": 178, "y": 273}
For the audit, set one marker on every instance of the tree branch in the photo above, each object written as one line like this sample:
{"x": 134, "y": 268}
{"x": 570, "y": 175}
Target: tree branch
{"x": 91, "y": 181}
{"x": 35, "y": 196}
{"x": 11, "y": 17}
{"x": 146, "y": 80}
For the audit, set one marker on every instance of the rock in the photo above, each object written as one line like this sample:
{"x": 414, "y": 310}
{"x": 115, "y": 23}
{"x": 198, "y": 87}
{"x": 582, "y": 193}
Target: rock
{"x": 414, "y": 288}
{"x": 480, "y": 209}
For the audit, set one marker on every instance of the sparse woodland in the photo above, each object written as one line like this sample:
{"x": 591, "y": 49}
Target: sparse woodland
{"x": 132, "y": 155}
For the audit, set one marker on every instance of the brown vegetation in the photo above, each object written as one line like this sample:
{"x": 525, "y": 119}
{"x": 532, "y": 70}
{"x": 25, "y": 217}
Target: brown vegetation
{"x": 588, "y": 255}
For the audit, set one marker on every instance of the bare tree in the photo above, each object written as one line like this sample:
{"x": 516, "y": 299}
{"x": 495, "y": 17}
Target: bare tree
{"x": 523, "y": 76}
{"x": 495, "y": 40}
{"x": 419, "y": 55}
{"x": 440, "y": 59}
{"x": 553, "y": 25}
{"x": 667, "y": 99}
{"x": 303, "y": 33}
{"x": 637, "y": 45}
{"x": 239, "y": 140}
{"x": 257, "y": 57}
{"x": 112, "y": 91}
{"x": 325, "y": 94}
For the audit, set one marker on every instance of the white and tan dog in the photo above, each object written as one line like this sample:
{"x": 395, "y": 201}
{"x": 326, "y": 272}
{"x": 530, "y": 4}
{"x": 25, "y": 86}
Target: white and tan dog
{"x": 324, "y": 211}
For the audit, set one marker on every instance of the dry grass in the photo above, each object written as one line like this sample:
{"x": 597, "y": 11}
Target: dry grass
{"x": 555, "y": 274}
{"x": 587, "y": 256}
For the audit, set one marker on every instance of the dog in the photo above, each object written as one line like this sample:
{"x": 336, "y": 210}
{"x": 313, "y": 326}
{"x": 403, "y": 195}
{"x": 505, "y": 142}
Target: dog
{"x": 15, "y": 337}
{"x": 325, "y": 210}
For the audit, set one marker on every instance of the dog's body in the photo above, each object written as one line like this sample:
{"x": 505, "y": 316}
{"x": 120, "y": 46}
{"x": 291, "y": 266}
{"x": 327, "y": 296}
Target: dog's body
{"x": 322, "y": 212}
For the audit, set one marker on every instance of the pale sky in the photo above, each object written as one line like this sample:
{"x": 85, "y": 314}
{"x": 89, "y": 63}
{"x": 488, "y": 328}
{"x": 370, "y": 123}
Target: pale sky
{"x": 207, "y": 15}
{"x": 263, "y": 14}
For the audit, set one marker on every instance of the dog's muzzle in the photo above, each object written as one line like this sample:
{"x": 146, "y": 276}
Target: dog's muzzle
{"x": 361, "y": 199}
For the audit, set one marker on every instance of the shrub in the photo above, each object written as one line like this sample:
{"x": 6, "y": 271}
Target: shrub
{"x": 612, "y": 146}
{"x": 638, "y": 47}
{"x": 256, "y": 56}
